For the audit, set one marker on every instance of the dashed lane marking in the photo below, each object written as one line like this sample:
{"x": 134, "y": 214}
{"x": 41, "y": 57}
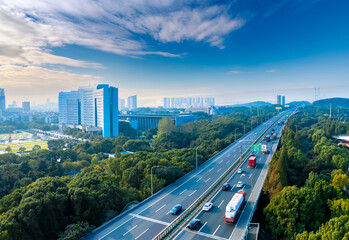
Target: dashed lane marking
{"x": 129, "y": 230}
{"x": 150, "y": 219}
{"x": 142, "y": 233}
{"x": 192, "y": 193}
{"x": 220, "y": 203}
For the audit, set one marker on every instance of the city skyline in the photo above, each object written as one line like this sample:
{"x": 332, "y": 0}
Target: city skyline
{"x": 236, "y": 56}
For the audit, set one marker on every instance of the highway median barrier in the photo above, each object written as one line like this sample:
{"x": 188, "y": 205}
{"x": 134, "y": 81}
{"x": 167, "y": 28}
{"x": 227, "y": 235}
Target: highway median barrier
{"x": 176, "y": 223}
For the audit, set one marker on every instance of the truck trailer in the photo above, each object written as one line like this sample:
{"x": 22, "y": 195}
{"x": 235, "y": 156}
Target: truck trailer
{"x": 234, "y": 207}
{"x": 252, "y": 161}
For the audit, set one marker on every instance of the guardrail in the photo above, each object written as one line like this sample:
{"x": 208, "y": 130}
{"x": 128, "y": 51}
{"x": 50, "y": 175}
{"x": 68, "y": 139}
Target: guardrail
{"x": 192, "y": 207}
{"x": 125, "y": 212}
{"x": 244, "y": 236}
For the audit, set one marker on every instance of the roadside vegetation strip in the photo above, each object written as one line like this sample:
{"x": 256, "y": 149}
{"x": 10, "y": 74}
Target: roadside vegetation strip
{"x": 192, "y": 207}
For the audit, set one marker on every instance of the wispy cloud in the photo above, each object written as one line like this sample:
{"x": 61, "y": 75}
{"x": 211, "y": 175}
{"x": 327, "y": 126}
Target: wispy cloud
{"x": 29, "y": 28}
{"x": 235, "y": 72}
{"x": 37, "y": 83}
{"x": 271, "y": 70}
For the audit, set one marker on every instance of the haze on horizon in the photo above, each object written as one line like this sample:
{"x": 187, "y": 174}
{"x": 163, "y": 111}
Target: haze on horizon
{"x": 236, "y": 52}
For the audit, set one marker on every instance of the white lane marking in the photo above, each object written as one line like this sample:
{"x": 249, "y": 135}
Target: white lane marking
{"x": 115, "y": 229}
{"x": 250, "y": 175}
{"x": 207, "y": 179}
{"x": 149, "y": 219}
{"x": 242, "y": 189}
{"x": 202, "y": 226}
{"x": 220, "y": 162}
{"x": 161, "y": 208}
{"x": 130, "y": 230}
{"x": 227, "y": 162}
{"x": 246, "y": 138}
{"x": 192, "y": 193}
{"x": 228, "y": 155}
{"x": 220, "y": 203}
{"x": 198, "y": 179}
{"x": 142, "y": 233}
{"x": 219, "y": 169}
{"x": 183, "y": 191}
{"x": 216, "y": 230}
{"x": 168, "y": 213}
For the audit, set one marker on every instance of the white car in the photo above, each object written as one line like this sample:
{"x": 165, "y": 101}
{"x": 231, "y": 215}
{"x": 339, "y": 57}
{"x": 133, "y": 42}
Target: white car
{"x": 240, "y": 171}
{"x": 207, "y": 206}
{"x": 240, "y": 184}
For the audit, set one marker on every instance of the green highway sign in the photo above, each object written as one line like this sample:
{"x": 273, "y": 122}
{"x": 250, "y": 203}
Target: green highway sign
{"x": 256, "y": 148}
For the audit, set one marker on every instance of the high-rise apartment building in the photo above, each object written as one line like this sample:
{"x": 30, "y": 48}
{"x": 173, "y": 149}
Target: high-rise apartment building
{"x": 2, "y": 100}
{"x": 121, "y": 104}
{"x": 26, "y": 107}
{"x": 280, "y": 100}
{"x": 283, "y": 100}
{"x": 92, "y": 107}
{"x": 188, "y": 102}
{"x": 132, "y": 102}
{"x": 167, "y": 102}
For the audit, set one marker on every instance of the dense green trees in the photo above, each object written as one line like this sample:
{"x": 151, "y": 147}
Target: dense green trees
{"x": 314, "y": 165}
{"x": 99, "y": 186}
{"x": 294, "y": 211}
{"x": 335, "y": 229}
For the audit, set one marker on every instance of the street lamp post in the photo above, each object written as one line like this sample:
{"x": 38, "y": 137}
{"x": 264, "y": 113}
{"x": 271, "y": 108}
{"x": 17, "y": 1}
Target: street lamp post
{"x": 235, "y": 133}
{"x": 196, "y": 156}
{"x": 251, "y": 192}
{"x": 151, "y": 176}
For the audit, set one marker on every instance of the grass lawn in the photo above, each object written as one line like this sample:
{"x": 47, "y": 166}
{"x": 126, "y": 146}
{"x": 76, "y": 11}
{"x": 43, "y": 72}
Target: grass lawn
{"x": 28, "y": 145}
{"x": 15, "y": 135}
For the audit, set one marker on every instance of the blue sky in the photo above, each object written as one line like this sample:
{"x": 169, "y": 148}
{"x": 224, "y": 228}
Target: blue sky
{"x": 237, "y": 52}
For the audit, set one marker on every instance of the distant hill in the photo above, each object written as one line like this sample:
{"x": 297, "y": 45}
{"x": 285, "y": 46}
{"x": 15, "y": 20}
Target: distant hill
{"x": 298, "y": 103}
{"x": 252, "y": 104}
{"x": 335, "y": 102}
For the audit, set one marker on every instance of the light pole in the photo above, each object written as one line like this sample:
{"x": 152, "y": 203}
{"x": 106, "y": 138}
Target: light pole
{"x": 244, "y": 129}
{"x": 196, "y": 156}
{"x": 235, "y": 133}
{"x": 251, "y": 191}
{"x": 151, "y": 176}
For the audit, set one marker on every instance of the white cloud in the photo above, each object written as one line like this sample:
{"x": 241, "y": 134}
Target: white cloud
{"x": 235, "y": 72}
{"x": 271, "y": 70}
{"x": 36, "y": 83}
{"x": 28, "y": 28}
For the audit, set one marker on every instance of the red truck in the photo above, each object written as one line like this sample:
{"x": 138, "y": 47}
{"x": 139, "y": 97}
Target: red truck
{"x": 234, "y": 207}
{"x": 252, "y": 161}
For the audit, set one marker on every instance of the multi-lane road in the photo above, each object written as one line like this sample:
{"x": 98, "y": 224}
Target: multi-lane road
{"x": 212, "y": 224}
{"x": 150, "y": 217}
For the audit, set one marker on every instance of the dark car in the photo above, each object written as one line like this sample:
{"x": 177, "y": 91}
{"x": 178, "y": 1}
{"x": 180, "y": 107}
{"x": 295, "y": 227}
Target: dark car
{"x": 194, "y": 224}
{"x": 225, "y": 186}
{"x": 176, "y": 209}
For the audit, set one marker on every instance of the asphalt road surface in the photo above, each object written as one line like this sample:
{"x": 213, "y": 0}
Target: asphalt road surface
{"x": 150, "y": 217}
{"x": 212, "y": 224}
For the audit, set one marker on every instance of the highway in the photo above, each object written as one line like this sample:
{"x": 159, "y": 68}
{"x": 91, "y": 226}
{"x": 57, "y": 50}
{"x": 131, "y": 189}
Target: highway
{"x": 150, "y": 217}
{"x": 212, "y": 224}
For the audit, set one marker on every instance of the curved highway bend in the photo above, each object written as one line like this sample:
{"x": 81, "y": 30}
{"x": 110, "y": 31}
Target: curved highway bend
{"x": 212, "y": 224}
{"x": 151, "y": 216}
